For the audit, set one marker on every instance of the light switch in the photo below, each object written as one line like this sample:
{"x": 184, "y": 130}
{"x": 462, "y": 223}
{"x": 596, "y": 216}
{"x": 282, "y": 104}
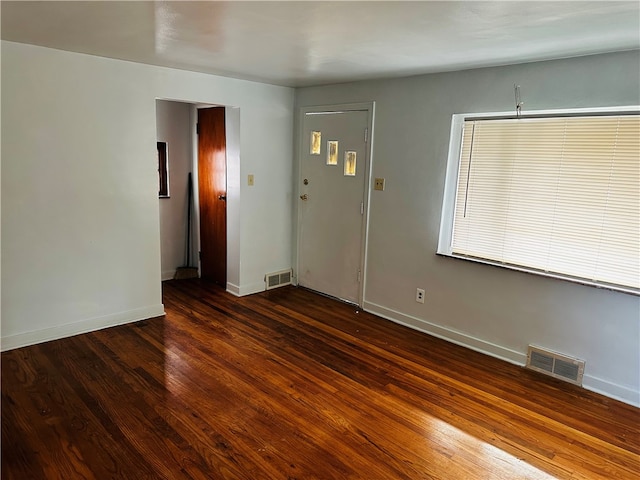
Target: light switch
{"x": 250, "y": 180}
{"x": 378, "y": 184}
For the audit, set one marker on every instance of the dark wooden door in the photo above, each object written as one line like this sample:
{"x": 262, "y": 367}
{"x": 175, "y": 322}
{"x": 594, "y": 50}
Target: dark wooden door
{"x": 212, "y": 187}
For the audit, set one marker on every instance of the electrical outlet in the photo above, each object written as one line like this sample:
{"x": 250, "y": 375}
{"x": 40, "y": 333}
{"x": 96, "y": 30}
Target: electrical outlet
{"x": 419, "y": 295}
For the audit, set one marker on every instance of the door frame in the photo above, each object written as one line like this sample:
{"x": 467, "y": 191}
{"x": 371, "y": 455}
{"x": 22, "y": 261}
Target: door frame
{"x": 369, "y": 107}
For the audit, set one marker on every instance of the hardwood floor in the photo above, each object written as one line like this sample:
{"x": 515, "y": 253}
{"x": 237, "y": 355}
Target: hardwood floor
{"x": 288, "y": 384}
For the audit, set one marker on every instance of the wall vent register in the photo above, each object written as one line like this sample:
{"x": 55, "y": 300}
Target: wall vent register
{"x": 278, "y": 279}
{"x": 555, "y": 365}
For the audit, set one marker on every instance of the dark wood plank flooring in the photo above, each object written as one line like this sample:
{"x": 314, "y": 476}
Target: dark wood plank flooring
{"x": 288, "y": 384}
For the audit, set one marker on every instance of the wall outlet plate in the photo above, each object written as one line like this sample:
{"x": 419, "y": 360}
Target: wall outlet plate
{"x": 419, "y": 295}
{"x": 378, "y": 184}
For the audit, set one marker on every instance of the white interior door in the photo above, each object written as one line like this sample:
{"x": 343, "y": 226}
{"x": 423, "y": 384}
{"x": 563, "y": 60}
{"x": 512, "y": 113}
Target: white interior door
{"x": 332, "y": 189}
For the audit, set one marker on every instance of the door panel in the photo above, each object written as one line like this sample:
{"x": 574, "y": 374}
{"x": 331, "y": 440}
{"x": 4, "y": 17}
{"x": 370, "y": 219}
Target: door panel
{"x": 212, "y": 188}
{"x": 332, "y": 190}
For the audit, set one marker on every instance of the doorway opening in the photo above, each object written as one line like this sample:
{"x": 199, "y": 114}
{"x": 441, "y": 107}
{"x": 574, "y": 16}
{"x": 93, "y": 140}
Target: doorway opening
{"x": 177, "y": 126}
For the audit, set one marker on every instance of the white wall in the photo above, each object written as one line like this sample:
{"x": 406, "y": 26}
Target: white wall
{"x": 80, "y": 215}
{"x": 173, "y": 126}
{"x": 265, "y": 114}
{"x": 486, "y": 308}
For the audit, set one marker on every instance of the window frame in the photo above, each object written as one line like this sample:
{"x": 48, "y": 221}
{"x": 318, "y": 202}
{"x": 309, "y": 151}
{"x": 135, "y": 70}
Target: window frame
{"x": 451, "y": 185}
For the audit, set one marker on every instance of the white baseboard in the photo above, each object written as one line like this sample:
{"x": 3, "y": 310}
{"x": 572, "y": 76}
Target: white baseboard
{"x": 70, "y": 329}
{"x": 612, "y": 390}
{"x": 447, "y": 334}
{"x": 168, "y": 275}
{"x": 603, "y": 387}
{"x": 241, "y": 291}
{"x": 233, "y": 289}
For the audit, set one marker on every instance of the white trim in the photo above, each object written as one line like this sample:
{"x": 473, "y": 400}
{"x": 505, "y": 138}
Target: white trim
{"x": 249, "y": 289}
{"x": 233, "y": 289}
{"x": 447, "y": 334}
{"x": 611, "y": 390}
{"x": 554, "y": 112}
{"x": 557, "y": 276}
{"x": 450, "y": 185}
{"x": 83, "y": 326}
{"x": 252, "y": 288}
{"x": 168, "y": 275}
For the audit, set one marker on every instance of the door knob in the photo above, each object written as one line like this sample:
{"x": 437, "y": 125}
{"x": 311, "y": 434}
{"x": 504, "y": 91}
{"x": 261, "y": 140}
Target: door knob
{"x": 222, "y": 197}
{"x": 304, "y": 197}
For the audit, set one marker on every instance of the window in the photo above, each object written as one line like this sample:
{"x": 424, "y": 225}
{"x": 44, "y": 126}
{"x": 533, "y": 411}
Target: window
{"x": 555, "y": 195}
{"x": 316, "y": 138}
{"x": 332, "y": 152}
{"x": 350, "y": 164}
{"x": 163, "y": 170}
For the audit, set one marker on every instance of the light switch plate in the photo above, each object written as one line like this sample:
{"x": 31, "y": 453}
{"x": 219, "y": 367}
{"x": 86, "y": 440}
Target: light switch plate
{"x": 378, "y": 184}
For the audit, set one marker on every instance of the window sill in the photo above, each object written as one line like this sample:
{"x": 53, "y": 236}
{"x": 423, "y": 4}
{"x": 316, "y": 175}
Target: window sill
{"x": 533, "y": 271}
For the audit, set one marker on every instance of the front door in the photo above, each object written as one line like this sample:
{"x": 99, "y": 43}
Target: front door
{"x": 334, "y": 164}
{"x": 212, "y": 188}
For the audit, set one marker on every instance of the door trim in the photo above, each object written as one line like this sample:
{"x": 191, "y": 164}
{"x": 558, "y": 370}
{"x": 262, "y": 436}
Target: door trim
{"x": 369, "y": 107}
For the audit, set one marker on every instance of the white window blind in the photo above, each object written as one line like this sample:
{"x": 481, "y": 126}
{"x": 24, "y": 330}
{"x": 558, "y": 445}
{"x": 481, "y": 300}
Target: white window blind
{"x": 558, "y": 195}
